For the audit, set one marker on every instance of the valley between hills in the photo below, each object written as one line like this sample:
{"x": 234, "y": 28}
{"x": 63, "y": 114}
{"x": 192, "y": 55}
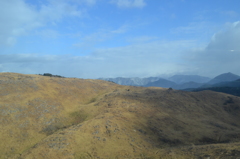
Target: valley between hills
{"x": 69, "y": 118}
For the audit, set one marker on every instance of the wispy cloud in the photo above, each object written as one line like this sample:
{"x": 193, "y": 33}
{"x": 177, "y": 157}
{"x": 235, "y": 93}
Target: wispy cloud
{"x": 194, "y": 27}
{"x": 100, "y": 36}
{"x": 18, "y": 17}
{"x": 196, "y": 30}
{"x": 48, "y": 33}
{"x": 121, "y": 29}
{"x": 56, "y": 11}
{"x": 89, "y": 2}
{"x": 230, "y": 13}
{"x": 142, "y": 39}
{"x": 129, "y": 3}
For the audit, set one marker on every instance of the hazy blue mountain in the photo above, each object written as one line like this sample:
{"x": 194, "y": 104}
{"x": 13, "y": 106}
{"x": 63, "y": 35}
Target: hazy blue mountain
{"x": 161, "y": 83}
{"x": 180, "y": 79}
{"x": 188, "y": 85}
{"x": 136, "y": 81}
{"x": 235, "y": 83}
{"x": 189, "y": 82}
{"x": 225, "y": 77}
{"x": 232, "y": 87}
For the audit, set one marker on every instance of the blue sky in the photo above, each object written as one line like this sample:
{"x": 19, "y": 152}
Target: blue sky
{"x": 120, "y": 38}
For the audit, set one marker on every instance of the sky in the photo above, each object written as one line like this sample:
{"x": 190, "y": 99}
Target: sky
{"x": 120, "y": 38}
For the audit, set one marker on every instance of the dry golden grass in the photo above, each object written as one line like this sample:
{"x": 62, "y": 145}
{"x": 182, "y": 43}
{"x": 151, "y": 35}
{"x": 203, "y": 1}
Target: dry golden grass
{"x": 52, "y": 118}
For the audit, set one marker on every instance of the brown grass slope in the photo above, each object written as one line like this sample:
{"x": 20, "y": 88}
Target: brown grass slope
{"x": 50, "y": 117}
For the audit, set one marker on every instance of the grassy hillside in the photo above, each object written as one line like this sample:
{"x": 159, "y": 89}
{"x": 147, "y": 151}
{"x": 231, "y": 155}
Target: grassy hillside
{"x": 33, "y": 107}
{"x": 50, "y": 117}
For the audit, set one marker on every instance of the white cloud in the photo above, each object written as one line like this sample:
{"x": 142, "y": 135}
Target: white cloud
{"x": 222, "y": 54}
{"x": 129, "y": 3}
{"x": 227, "y": 39}
{"x": 18, "y": 17}
{"x": 15, "y": 17}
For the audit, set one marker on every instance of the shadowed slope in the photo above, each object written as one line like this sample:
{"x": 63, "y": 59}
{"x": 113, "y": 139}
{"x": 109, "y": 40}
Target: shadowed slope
{"x": 74, "y": 118}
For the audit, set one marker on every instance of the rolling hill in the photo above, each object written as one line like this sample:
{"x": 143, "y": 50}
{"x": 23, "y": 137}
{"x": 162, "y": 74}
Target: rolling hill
{"x": 69, "y": 118}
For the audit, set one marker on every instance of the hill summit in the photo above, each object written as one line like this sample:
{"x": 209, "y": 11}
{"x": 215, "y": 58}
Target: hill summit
{"x": 51, "y": 118}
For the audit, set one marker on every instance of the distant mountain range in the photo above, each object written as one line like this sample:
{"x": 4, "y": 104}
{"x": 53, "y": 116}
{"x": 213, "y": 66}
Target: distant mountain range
{"x": 174, "y": 81}
{"x": 136, "y": 81}
{"x": 161, "y": 83}
{"x": 184, "y": 82}
{"x": 181, "y": 79}
{"x": 180, "y": 82}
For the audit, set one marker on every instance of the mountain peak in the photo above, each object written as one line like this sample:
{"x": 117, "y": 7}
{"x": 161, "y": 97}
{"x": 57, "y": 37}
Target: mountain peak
{"x": 224, "y": 78}
{"x": 227, "y": 76}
